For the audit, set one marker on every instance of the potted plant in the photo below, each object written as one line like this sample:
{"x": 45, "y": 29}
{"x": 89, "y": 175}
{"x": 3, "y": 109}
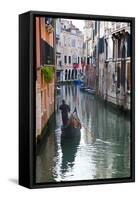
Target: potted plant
{"x": 48, "y": 72}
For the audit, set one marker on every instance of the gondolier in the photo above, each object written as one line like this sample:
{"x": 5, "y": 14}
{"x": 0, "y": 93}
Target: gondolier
{"x": 65, "y": 109}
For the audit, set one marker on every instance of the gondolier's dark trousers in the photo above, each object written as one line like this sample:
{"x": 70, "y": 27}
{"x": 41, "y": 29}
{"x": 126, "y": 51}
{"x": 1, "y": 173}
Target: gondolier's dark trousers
{"x": 65, "y": 118}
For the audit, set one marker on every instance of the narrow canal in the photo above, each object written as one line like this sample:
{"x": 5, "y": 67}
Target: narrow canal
{"x": 102, "y": 150}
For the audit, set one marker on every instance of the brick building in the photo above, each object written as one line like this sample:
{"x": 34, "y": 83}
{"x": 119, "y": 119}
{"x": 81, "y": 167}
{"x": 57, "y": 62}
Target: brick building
{"x": 45, "y": 57}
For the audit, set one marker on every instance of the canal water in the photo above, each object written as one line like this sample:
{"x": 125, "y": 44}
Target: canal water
{"x": 101, "y": 151}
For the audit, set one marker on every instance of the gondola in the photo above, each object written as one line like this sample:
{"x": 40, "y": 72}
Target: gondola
{"x": 73, "y": 126}
{"x": 70, "y": 140}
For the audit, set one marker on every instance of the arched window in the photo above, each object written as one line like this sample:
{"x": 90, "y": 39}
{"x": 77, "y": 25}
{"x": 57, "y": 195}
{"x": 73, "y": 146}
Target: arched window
{"x": 66, "y": 72}
{"x": 123, "y": 51}
{"x": 69, "y": 75}
{"x": 75, "y": 74}
{"x": 72, "y": 74}
{"x": 128, "y": 45}
{"x": 123, "y": 65}
{"x": 119, "y": 47}
{"x": 106, "y": 49}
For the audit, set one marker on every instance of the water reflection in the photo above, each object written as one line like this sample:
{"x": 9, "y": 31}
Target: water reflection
{"x": 100, "y": 150}
{"x": 69, "y": 145}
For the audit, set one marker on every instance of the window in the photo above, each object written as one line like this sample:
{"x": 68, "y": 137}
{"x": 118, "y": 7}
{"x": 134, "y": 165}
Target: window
{"x": 88, "y": 60}
{"x": 65, "y": 42}
{"x": 93, "y": 35}
{"x": 128, "y": 45}
{"x": 69, "y": 75}
{"x": 128, "y": 76}
{"x": 74, "y": 59}
{"x": 106, "y": 44}
{"x": 101, "y": 45}
{"x": 66, "y": 74}
{"x": 119, "y": 51}
{"x": 78, "y": 60}
{"x": 81, "y": 60}
{"x": 65, "y": 59}
{"x": 60, "y": 63}
{"x": 75, "y": 74}
{"x": 95, "y": 27}
{"x": 95, "y": 51}
{"x": 46, "y": 53}
{"x": 79, "y": 44}
{"x": 118, "y": 76}
{"x": 123, "y": 51}
{"x": 72, "y": 76}
{"x": 114, "y": 48}
{"x": 73, "y": 43}
{"x": 99, "y": 26}
{"x": 69, "y": 59}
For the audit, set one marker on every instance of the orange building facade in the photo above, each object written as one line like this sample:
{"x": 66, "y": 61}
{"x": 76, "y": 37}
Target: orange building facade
{"x": 45, "y": 56}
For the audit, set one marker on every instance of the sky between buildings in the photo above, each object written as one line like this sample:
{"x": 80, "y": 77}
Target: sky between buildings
{"x": 79, "y": 23}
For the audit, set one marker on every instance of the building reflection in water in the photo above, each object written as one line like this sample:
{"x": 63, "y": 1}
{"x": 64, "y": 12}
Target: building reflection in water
{"x": 69, "y": 146}
{"x": 101, "y": 151}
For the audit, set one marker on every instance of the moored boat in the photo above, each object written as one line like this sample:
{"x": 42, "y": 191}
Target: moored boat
{"x": 82, "y": 88}
{"x": 90, "y": 91}
{"x": 78, "y": 81}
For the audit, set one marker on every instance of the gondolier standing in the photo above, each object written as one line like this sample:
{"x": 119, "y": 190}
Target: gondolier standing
{"x": 65, "y": 109}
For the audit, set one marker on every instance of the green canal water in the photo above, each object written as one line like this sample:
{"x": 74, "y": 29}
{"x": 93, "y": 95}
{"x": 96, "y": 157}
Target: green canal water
{"x": 101, "y": 151}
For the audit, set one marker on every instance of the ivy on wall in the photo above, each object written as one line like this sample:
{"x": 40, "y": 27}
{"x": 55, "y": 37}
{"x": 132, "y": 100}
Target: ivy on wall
{"x": 48, "y": 72}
